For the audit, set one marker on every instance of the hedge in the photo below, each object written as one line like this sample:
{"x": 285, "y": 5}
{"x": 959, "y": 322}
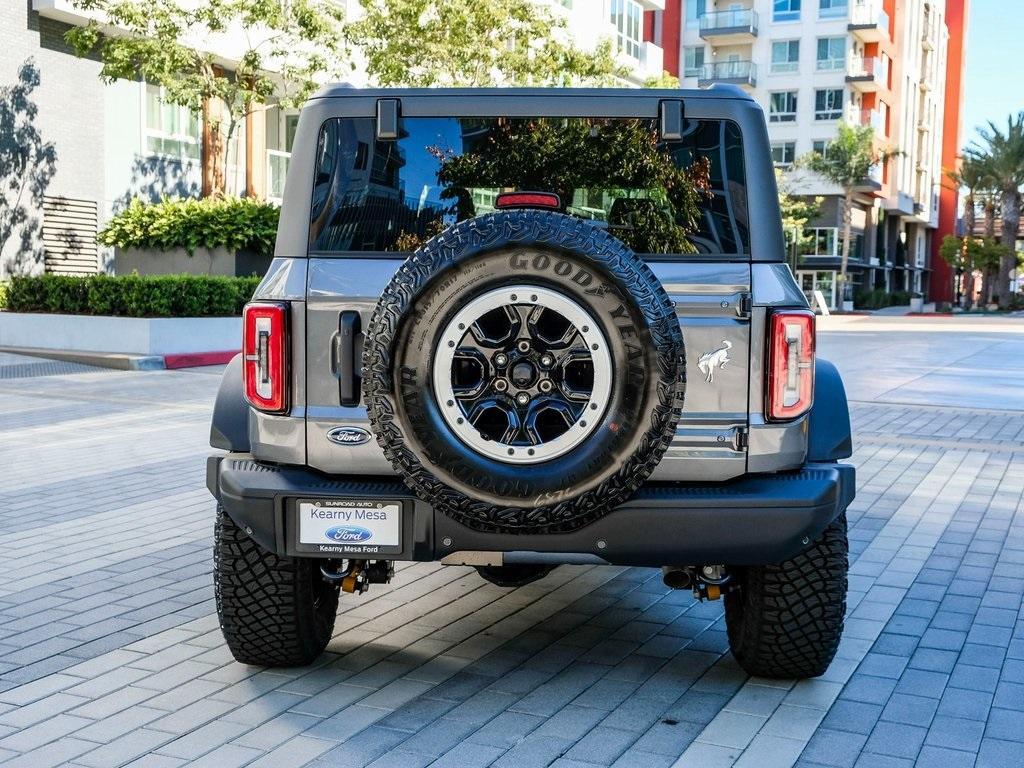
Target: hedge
{"x": 879, "y": 298}
{"x": 131, "y": 295}
{"x": 235, "y": 223}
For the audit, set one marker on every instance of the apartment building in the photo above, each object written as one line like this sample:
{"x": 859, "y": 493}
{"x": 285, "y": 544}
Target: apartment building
{"x": 812, "y": 63}
{"x": 809, "y": 62}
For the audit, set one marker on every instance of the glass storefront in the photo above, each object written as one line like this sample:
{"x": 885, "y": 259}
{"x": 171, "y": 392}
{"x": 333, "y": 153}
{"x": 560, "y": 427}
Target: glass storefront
{"x": 818, "y": 280}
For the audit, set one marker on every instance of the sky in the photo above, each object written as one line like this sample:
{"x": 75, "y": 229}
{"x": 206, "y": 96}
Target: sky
{"x": 995, "y": 66}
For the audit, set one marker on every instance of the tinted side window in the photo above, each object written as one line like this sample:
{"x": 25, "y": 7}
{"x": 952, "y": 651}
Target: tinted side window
{"x": 658, "y": 197}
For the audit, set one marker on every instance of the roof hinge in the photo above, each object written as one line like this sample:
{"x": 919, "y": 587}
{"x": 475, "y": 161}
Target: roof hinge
{"x": 388, "y": 113}
{"x": 670, "y": 119}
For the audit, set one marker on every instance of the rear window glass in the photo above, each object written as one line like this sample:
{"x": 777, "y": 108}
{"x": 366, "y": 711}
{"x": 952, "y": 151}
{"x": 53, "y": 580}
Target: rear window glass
{"x": 685, "y": 196}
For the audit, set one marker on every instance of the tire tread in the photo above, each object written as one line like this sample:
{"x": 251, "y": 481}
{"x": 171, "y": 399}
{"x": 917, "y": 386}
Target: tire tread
{"x": 786, "y": 620}
{"x": 273, "y": 610}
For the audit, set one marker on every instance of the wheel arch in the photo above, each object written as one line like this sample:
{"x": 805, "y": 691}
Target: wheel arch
{"x": 229, "y": 429}
{"x": 829, "y": 436}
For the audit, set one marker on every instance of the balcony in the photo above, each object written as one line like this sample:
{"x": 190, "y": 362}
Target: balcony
{"x": 734, "y": 26}
{"x": 869, "y": 22}
{"x": 929, "y": 32}
{"x": 734, "y": 72}
{"x": 277, "y": 171}
{"x": 652, "y": 59}
{"x": 867, "y": 75}
{"x": 872, "y": 117}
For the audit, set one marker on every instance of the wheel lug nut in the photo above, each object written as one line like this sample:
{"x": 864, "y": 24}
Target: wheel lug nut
{"x": 500, "y": 385}
{"x": 522, "y": 398}
{"x": 547, "y": 361}
{"x": 523, "y": 346}
{"x": 545, "y": 386}
{"x": 501, "y": 359}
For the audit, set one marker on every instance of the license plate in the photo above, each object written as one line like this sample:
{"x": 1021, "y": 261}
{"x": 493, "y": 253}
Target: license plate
{"x": 350, "y": 525}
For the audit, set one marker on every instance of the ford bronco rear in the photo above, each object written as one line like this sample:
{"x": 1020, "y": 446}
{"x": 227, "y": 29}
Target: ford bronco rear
{"x": 516, "y": 329}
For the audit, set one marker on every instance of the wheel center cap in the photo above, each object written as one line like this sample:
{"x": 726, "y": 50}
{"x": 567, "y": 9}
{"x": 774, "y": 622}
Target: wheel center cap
{"x": 523, "y": 374}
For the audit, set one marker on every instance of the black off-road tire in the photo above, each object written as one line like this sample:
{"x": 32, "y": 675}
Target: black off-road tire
{"x": 786, "y": 620}
{"x": 564, "y": 254}
{"x": 274, "y": 611}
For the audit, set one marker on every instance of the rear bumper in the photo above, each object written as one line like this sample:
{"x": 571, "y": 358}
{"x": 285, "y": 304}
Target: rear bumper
{"x": 757, "y": 519}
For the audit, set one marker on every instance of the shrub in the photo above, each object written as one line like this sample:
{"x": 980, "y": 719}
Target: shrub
{"x": 879, "y": 298}
{"x": 235, "y": 223}
{"x": 131, "y": 295}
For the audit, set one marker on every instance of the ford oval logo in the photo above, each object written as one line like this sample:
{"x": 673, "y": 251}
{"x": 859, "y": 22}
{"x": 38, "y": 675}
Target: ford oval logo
{"x": 349, "y": 436}
{"x": 348, "y": 534}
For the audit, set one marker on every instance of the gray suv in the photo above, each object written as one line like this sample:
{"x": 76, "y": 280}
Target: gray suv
{"x": 517, "y": 329}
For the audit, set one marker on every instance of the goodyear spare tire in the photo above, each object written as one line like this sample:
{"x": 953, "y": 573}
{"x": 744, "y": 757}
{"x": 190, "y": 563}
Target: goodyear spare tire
{"x": 524, "y": 372}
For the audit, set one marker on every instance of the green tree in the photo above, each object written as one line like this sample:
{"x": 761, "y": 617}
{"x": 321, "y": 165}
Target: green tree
{"x": 972, "y": 177}
{"x": 594, "y": 155}
{"x": 423, "y": 43}
{"x": 851, "y": 156}
{"x": 1002, "y": 154}
{"x": 796, "y": 210}
{"x": 286, "y": 48}
{"x": 664, "y": 80}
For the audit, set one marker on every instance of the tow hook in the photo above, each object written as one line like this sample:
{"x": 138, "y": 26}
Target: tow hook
{"x": 708, "y": 582}
{"x": 357, "y": 575}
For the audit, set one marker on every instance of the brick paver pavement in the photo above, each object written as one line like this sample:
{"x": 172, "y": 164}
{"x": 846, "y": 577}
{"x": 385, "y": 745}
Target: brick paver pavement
{"x": 110, "y": 652}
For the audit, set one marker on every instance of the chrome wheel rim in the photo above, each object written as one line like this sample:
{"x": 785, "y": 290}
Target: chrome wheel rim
{"x": 522, "y": 374}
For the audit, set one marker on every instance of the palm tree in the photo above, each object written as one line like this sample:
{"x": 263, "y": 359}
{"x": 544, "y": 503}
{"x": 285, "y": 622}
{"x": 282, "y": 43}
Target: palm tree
{"x": 972, "y": 176}
{"x": 850, "y": 157}
{"x": 1002, "y": 155}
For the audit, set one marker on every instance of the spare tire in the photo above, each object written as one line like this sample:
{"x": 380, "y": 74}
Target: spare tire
{"x": 524, "y": 372}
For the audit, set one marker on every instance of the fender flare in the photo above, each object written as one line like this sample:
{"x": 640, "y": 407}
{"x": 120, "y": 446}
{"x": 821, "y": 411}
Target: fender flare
{"x": 829, "y": 437}
{"x": 229, "y": 430}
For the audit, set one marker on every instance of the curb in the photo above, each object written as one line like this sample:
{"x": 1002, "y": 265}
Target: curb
{"x": 199, "y": 359}
{"x": 125, "y": 362}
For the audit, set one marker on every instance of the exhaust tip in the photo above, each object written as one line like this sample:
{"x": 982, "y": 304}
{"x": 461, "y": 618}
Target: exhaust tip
{"x": 676, "y": 578}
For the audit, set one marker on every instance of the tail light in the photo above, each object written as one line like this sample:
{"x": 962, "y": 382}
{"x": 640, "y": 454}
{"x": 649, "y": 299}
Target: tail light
{"x": 790, "y": 364}
{"x": 265, "y": 355}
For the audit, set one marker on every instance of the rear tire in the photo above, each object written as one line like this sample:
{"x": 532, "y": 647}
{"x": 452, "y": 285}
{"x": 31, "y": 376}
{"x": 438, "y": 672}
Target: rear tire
{"x": 786, "y": 620}
{"x": 274, "y": 611}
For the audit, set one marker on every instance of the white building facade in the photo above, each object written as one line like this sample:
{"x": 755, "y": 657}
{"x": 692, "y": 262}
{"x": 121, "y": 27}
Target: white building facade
{"x": 812, "y": 63}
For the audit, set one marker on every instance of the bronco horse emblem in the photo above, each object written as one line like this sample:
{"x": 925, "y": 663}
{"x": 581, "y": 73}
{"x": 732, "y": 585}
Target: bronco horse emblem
{"x": 715, "y": 359}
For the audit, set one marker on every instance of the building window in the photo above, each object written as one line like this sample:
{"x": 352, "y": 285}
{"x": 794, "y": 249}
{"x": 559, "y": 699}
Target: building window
{"x": 693, "y": 60}
{"x": 820, "y": 241}
{"x": 821, "y": 147}
{"x": 785, "y": 56}
{"x": 828, "y": 104}
{"x": 694, "y": 10}
{"x": 882, "y": 128}
{"x": 627, "y": 18}
{"x": 782, "y": 107}
{"x": 831, "y": 53}
{"x": 832, "y": 9}
{"x": 786, "y": 10}
{"x": 783, "y": 153}
{"x": 170, "y": 130}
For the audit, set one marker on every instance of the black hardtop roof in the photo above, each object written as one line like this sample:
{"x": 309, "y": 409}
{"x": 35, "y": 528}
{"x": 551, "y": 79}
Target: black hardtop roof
{"x": 716, "y": 91}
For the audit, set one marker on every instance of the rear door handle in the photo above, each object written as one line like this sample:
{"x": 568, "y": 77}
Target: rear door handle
{"x": 347, "y": 355}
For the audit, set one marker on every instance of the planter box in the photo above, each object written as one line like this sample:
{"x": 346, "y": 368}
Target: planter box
{"x": 146, "y": 336}
{"x": 916, "y": 304}
{"x": 203, "y": 261}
